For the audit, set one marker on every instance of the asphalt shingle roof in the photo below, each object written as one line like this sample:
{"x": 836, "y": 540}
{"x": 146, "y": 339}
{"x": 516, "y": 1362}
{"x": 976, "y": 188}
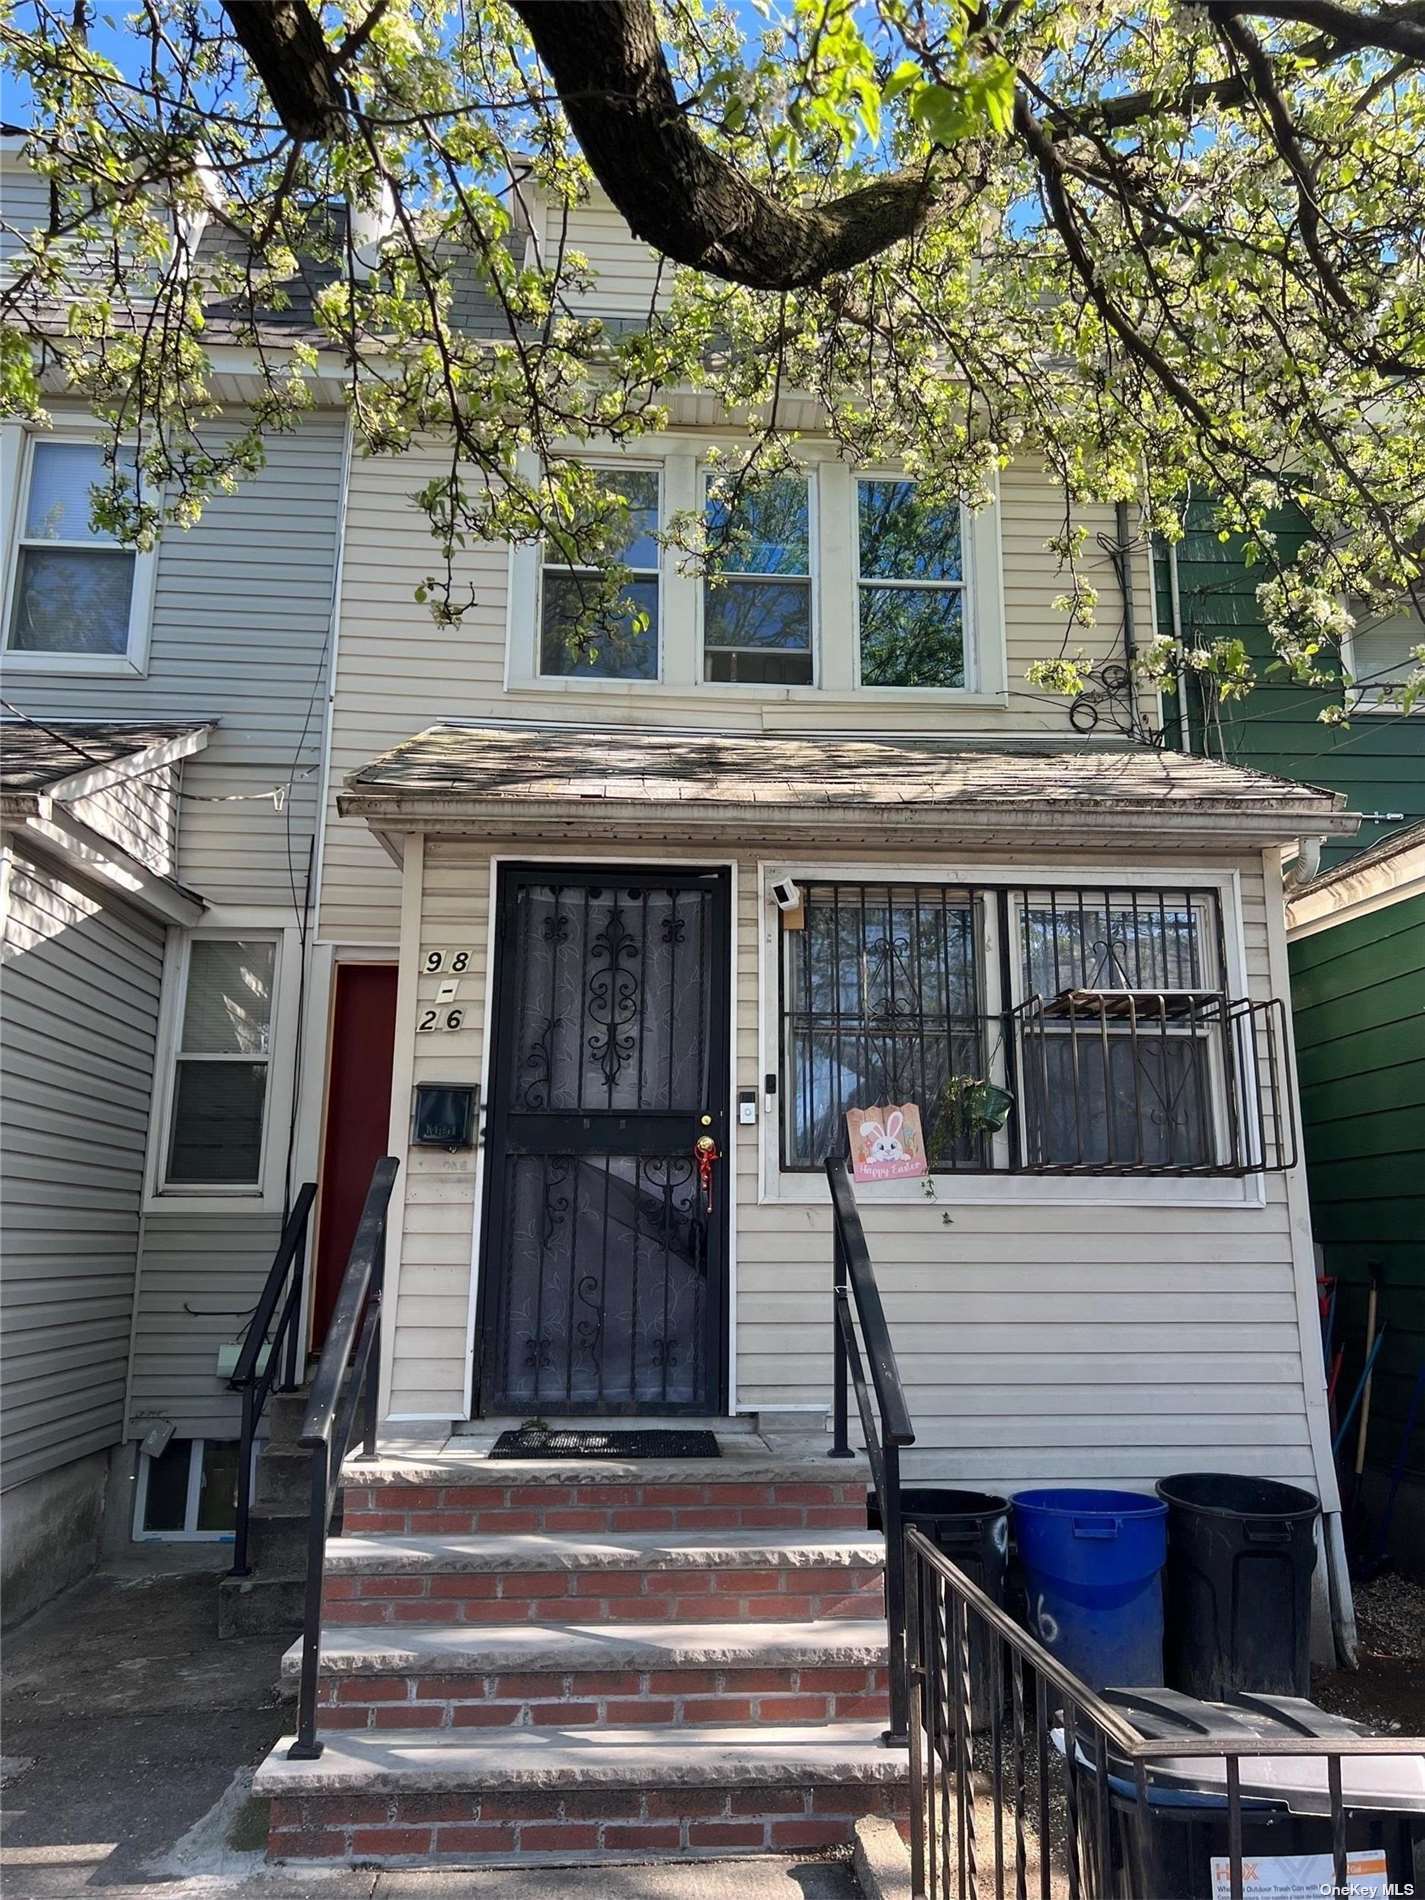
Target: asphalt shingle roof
{"x": 36, "y": 755}
{"x": 557, "y": 764}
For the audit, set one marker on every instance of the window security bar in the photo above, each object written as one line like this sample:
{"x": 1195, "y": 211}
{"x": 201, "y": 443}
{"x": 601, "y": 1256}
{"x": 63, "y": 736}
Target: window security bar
{"x": 1099, "y": 1014}
{"x": 1163, "y": 1082}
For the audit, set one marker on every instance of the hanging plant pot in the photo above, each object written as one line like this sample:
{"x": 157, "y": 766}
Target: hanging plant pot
{"x": 969, "y": 1105}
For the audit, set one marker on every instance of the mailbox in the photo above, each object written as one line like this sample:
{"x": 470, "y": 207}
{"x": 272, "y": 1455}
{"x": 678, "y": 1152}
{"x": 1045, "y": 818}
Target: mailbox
{"x": 444, "y": 1115}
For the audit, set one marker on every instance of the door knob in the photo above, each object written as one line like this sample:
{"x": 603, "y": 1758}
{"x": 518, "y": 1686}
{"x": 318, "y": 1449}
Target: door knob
{"x": 705, "y": 1154}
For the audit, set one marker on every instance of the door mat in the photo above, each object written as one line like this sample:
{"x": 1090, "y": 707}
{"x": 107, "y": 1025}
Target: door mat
{"x": 532, "y": 1441}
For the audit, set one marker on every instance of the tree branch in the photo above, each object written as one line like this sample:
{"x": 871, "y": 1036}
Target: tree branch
{"x": 675, "y": 193}
{"x": 285, "y": 42}
{"x": 1398, "y": 29}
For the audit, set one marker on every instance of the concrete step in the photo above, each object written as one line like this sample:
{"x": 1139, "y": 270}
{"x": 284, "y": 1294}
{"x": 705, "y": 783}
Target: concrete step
{"x": 593, "y": 1677}
{"x": 277, "y": 1541}
{"x": 748, "y": 1489}
{"x": 631, "y": 1576}
{"x": 392, "y": 1795}
{"x": 261, "y": 1605}
{"x": 501, "y": 1649}
{"x": 284, "y": 1478}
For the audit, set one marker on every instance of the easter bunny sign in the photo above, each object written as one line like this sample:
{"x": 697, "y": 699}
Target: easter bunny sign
{"x": 886, "y": 1143}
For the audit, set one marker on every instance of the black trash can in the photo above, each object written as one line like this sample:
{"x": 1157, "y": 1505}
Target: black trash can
{"x": 972, "y": 1529}
{"x": 1285, "y": 1798}
{"x": 1237, "y": 1589}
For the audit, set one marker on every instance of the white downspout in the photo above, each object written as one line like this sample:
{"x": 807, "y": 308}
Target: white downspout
{"x": 1175, "y": 597}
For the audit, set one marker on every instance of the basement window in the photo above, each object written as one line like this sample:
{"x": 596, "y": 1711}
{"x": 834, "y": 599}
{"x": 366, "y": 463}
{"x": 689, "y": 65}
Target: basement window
{"x": 188, "y": 1490}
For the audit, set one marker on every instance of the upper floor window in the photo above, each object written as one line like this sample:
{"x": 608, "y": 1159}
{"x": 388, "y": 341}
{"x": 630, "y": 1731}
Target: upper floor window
{"x": 222, "y": 1064}
{"x": 1382, "y": 659}
{"x": 910, "y": 595}
{"x": 76, "y": 594}
{"x": 757, "y": 601}
{"x": 578, "y": 633}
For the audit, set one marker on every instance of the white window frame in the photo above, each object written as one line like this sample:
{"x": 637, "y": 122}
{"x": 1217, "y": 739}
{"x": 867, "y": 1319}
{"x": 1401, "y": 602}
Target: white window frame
{"x": 707, "y": 473}
{"x": 1214, "y": 980}
{"x": 965, "y": 587}
{"x": 266, "y": 1194}
{"x": 836, "y": 690}
{"x": 17, "y": 458}
{"x": 618, "y": 465}
{"x": 776, "y": 1187}
{"x": 1372, "y": 699}
{"x": 190, "y": 1534}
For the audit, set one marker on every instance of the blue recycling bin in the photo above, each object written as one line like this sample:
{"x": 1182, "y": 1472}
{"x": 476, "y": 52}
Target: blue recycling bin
{"x": 1093, "y": 1564}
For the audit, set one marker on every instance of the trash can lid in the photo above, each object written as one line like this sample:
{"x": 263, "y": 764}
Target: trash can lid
{"x": 1226, "y": 1494}
{"x": 1298, "y": 1782}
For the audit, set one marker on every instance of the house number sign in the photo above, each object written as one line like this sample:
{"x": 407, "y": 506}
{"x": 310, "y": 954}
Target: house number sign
{"x": 446, "y": 1013}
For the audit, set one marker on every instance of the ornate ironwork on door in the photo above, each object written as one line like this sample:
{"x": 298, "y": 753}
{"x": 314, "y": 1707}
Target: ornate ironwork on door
{"x": 605, "y": 1242}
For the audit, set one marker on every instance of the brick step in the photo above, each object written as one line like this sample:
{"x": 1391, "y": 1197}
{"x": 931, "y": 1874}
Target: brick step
{"x": 653, "y": 1674}
{"x": 697, "y": 1495}
{"x": 425, "y": 1795}
{"x": 631, "y": 1576}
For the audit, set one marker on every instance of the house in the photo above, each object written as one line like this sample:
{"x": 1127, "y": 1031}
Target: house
{"x": 1356, "y": 943}
{"x": 798, "y": 845}
{"x": 162, "y": 750}
{"x": 1354, "y": 948}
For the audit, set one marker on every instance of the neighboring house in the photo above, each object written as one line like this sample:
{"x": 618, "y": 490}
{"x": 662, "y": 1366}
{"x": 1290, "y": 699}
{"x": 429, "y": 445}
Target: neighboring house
{"x": 1356, "y": 938}
{"x": 1357, "y": 989}
{"x": 153, "y": 993}
{"x": 1205, "y": 592}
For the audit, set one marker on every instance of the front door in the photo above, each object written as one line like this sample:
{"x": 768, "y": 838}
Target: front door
{"x": 604, "y": 1259}
{"x": 358, "y": 1119}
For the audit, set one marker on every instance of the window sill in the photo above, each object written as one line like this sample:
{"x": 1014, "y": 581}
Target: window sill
{"x": 1037, "y": 1190}
{"x": 213, "y": 1201}
{"x": 835, "y": 698}
{"x": 1378, "y": 706}
{"x": 111, "y": 665}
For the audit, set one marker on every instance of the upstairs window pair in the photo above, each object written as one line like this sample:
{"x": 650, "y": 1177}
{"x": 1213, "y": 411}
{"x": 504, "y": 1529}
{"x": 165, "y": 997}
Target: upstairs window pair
{"x": 758, "y": 599}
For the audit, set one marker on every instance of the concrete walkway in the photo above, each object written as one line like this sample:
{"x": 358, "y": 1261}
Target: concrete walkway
{"x": 130, "y": 1733}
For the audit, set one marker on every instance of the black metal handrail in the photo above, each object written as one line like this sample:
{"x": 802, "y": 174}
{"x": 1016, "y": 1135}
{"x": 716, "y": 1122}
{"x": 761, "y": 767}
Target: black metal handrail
{"x": 348, "y": 1370}
{"x": 1024, "y": 1780}
{"x": 256, "y": 1377}
{"x": 885, "y": 1426}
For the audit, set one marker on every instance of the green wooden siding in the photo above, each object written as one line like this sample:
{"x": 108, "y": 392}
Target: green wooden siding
{"x": 1378, "y": 761}
{"x": 1358, "y": 993}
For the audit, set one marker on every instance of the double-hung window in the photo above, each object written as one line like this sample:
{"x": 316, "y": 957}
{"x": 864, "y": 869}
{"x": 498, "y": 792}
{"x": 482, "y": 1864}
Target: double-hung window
{"x": 580, "y": 631}
{"x": 757, "y": 599}
{"x": 222, "y": 1065}
{"x": 1122, "y": 1020}
{"x": 74, "y": 592}
{"x": 881, "y": 1004}
{"x": 1382, "y": 658}
{"x": 910, "y": 592}
{"x": 1054, "y": 1030}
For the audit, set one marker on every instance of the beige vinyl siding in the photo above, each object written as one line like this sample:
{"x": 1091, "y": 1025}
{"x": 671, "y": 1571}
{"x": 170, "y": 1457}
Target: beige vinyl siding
{"x": 398, "y": 672}
{"x": 1078, "y": 1340}
{"x": 630, "y": 280}
{"x": 140, "y": 815}
{"x": 199, "y": 1279}
{"x": 24, "y": 206}
{"x": 79, "y": 1004}
{"x": 240, "y": 632}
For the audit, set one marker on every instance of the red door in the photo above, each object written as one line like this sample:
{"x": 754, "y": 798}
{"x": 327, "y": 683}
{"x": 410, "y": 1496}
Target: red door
{"x": 358, "y": 1118}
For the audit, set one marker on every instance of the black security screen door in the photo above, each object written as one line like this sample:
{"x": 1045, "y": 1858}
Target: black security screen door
{"x": 602, "y": 1285}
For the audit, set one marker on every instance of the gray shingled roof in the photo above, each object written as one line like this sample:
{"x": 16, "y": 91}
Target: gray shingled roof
{"x": 1409, "y": 838}
{"x": 36, "y": 755}
{"x": 555, "y": 765}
